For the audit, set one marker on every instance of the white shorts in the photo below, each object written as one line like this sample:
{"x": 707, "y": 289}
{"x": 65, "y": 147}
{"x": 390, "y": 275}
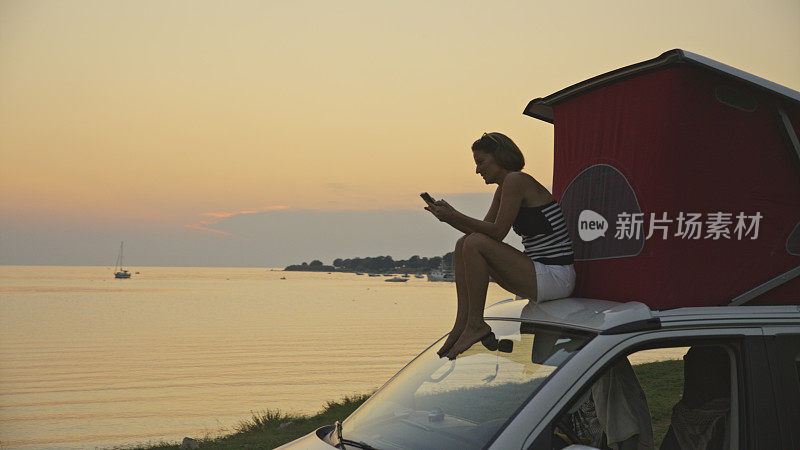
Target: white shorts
{"x": 553, "y": 281}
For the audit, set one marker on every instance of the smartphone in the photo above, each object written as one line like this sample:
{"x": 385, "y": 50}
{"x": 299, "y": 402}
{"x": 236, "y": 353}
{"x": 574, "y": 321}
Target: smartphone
{"x": 428, "y": 199}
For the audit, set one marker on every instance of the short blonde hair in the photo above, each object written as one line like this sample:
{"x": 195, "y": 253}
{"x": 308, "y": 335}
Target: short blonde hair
{"x": 502, "y": 148}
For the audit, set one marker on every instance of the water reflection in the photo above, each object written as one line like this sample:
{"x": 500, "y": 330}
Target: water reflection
{"x": 87, "y": 360}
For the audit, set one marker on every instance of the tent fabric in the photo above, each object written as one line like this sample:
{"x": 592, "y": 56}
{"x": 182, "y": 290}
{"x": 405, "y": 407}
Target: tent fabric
{"x": 682, "y": 151}
{"x": 542, "y": 108}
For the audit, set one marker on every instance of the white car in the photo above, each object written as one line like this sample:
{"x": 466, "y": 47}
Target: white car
{"x": 646, "y": 140}
{"x": 715, "y": 377}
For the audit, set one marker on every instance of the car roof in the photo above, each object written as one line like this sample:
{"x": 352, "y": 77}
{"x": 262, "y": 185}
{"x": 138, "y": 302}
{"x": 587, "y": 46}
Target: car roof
{"x": 607, "y": 317}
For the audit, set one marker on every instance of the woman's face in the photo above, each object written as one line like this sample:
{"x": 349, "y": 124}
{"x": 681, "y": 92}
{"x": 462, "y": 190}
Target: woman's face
{"x": 487, "y": 167}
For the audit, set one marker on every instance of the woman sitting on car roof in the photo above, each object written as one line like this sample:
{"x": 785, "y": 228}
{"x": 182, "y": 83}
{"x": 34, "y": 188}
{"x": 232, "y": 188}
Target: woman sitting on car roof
{"x": 542, "y": 272}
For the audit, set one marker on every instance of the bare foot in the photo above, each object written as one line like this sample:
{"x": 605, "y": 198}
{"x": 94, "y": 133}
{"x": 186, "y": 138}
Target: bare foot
{"x": 468, "y": 337}
{"x": 452, "y": 338}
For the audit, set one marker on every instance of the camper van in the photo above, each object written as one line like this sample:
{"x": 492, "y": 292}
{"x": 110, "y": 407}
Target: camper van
{"x": 679, "y": 178}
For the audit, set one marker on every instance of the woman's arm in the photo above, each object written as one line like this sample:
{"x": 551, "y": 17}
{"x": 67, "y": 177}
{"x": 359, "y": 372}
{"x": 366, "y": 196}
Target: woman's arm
{"x": 490, "y": 215}
{"x": 461, "y": 227}
{"x": 510, "y": 199}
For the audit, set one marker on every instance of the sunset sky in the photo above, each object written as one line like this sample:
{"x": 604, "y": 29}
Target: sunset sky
{"x": 272, "y": 132}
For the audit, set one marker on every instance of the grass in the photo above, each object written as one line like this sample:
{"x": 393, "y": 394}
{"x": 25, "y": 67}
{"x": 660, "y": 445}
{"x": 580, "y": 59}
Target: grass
{"x": 662, "y": 383}
{"x": 272, "y": 428}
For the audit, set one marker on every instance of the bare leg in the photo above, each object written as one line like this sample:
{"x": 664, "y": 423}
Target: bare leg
{"x": 463, "y": 298}
{"x": 510, "y": 267}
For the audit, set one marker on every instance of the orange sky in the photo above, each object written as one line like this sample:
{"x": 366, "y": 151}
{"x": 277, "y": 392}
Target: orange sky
{"x": 158, "y": 112}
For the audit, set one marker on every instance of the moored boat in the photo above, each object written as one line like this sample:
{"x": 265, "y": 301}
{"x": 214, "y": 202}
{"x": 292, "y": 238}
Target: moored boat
{"x": 441, "y": 276}
{"x": 119, "y": 270}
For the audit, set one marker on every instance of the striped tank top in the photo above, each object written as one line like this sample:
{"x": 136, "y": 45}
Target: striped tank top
{"x": 544, "y": 234}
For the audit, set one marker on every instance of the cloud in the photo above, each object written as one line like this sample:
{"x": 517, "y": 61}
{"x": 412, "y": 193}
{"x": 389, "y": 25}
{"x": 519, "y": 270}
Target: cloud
{"x": 473, "y": 202}
{"x": 275, "y": 237}
{"x": 202, "y": 228}
{"x": 222, "y": 215}
{"x": 211, "y": 218}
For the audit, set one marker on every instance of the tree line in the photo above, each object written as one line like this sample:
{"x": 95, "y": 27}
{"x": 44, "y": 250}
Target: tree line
{"x": 377, "y": 264}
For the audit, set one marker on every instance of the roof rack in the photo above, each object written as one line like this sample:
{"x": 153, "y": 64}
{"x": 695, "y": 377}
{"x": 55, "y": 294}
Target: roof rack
{"x": 764, "y": 287}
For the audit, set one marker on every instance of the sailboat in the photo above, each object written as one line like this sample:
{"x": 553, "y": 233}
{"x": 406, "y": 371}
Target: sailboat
{"x": 119, "y": 271}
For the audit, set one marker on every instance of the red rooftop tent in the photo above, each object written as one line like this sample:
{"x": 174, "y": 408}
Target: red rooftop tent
{"x": 680, "y": 183}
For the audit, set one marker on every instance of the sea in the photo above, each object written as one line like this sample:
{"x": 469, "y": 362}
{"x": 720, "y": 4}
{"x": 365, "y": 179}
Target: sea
{"x": 90, "y": 361}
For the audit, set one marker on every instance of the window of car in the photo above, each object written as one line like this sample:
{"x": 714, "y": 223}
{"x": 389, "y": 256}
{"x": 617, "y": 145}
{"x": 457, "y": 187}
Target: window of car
{"x": 669, "y": 397}
{"x": 435, "y": 403}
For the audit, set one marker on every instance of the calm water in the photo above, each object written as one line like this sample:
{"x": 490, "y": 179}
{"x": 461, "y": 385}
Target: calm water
{"x": 87, "y": 360}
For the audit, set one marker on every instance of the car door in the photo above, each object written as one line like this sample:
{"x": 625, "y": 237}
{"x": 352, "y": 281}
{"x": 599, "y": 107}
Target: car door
{"x": 783, "y": 350}
{"x": 753, "y": 418}
{"x": 761, "y": 425}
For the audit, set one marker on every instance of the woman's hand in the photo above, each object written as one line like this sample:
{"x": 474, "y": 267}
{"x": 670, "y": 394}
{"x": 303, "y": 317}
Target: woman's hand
{"x": 442, "y": 210}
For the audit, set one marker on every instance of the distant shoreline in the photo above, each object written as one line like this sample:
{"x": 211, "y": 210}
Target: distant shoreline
{"x": 300, "y": 268}
{"x": 378, "y": 264}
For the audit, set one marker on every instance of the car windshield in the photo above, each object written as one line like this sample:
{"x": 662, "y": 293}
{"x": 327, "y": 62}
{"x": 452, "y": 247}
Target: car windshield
{"x": 435, "y": 403}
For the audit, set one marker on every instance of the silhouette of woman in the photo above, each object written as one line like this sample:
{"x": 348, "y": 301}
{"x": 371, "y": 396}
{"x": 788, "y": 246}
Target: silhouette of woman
{"x": 542, "y": 272}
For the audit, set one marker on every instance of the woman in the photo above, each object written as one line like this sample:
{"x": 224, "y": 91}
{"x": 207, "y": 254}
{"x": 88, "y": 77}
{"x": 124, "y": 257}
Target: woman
{"x": 543, "y": 272}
